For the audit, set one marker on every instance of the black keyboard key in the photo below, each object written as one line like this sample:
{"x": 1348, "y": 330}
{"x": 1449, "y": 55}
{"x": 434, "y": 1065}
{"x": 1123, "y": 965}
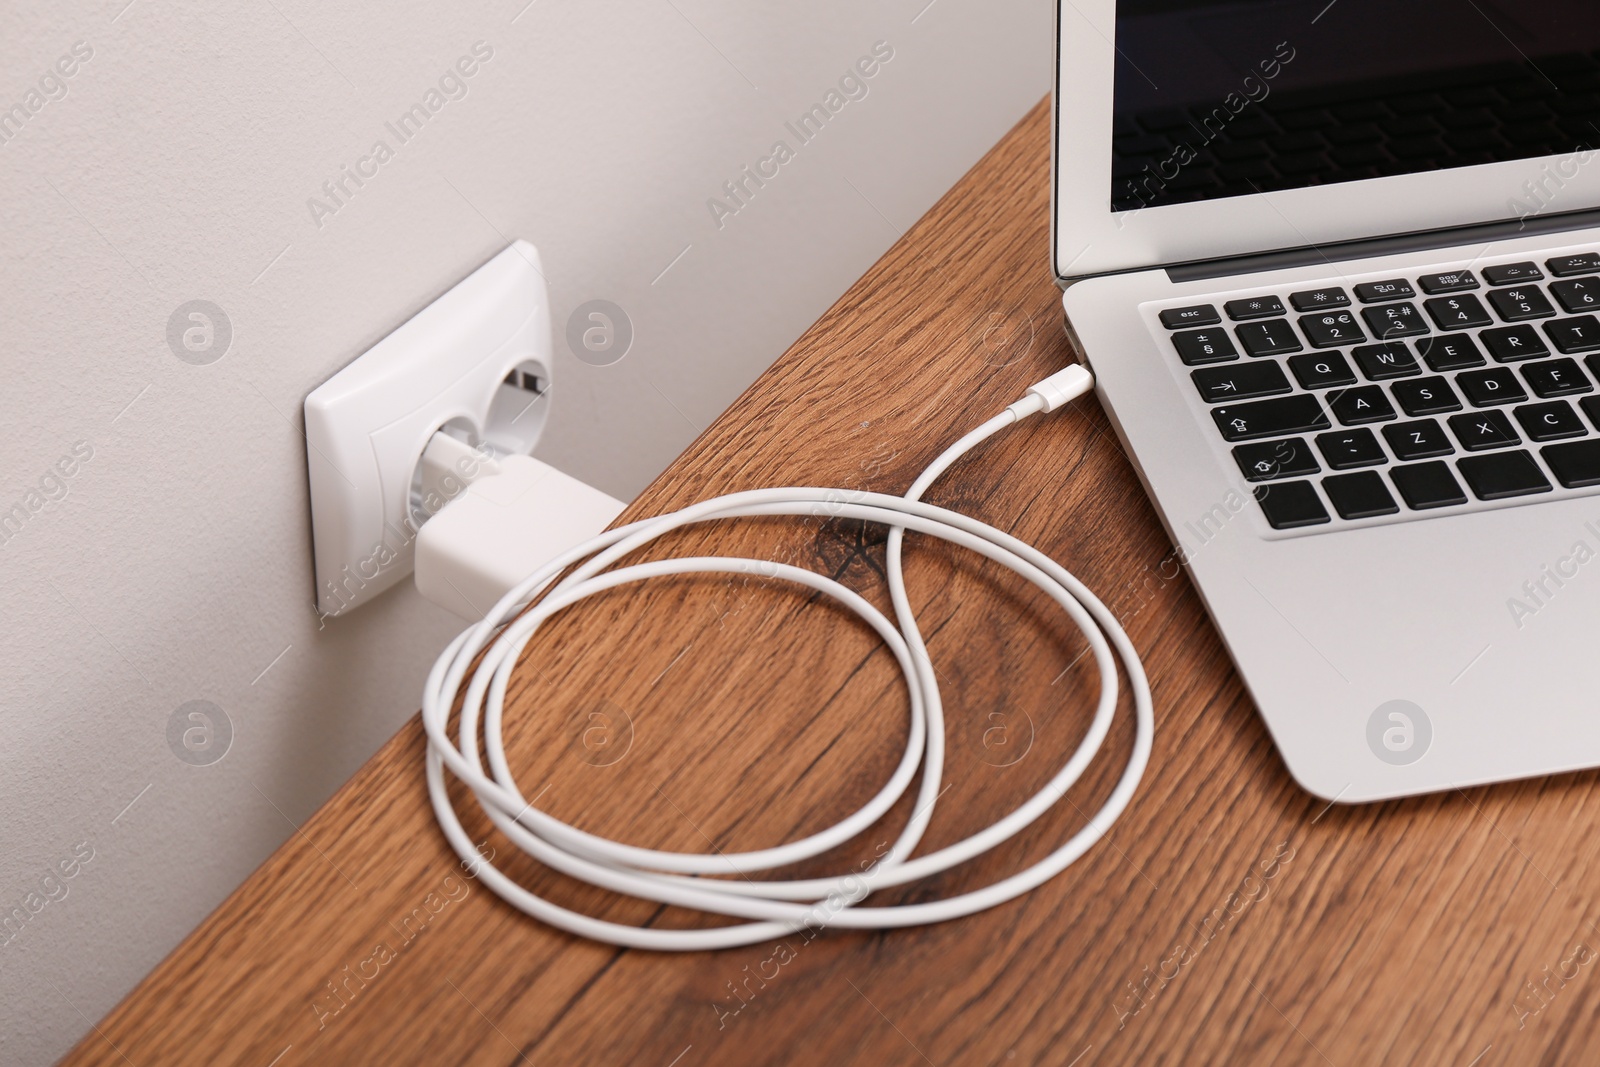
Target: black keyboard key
{"x": 1582, "y": 263}
{"x": 1503, "y": 474}
{"x": 1575, "y": 464}
{"x": 1318, "y": 299}
{"x": 1450, "y": 282}
{"x": 1426, "y": 396}
{"x": 1321, "y": 370}
{"x": 1288, "y": 505}
{"x": 1485, "y": 388}
{"x": 1344, "y": 449}
{"x": 1510, "y": 343}
{"x": 1591, "y": 408}
{"x": 1579, "y": 294}
{"x": 1511, "y": 273}
{"x": 1394, "y": 289}
{"x": 1332, "y": 330}
{"x": 1388, "y": 321}
{"x": 1365, "y": 403}
{"x": 1197, "y": 315}
{"x": 1556, "y": 377}
{"x": 1359, "y": 496}
{"x": 1240, "y": 381}
{"x": 1253, "y": 307}
{"x": 1204, "y": 346}
{"x": 1581, "y": 334}
{"x": 1391, "y": 360}
{"x": 1427, "y": 485}
{"x": 1450, "y": 353}
{"x": 1300, "y": 413}
{"x": 1266, "y": 460}
{"x": 1550, "y": 421}
{"x": 1422, "y": 439}
{"x": 1520, "y": 303}
{"x": 1484, "y": 429}
{"x": 1458, "y": 312}
{"x": 1271, "y": 338}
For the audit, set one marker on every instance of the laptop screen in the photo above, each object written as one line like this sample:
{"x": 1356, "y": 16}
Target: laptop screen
{"x": 1215, "y": 100}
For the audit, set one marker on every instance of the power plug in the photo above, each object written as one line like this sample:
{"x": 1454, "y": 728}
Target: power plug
{"x": 498, "y": 521}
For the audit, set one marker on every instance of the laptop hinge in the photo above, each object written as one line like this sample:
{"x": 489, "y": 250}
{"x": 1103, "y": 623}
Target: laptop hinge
{"x": 1379, "y": 246}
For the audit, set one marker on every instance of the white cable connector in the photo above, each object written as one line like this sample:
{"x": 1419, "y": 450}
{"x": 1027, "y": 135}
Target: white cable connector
{"x": 1060, "y": 389}
{"x": 775, "y": 907}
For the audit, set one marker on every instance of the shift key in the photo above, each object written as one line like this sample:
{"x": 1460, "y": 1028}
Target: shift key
{"x": 1285, "y": 415}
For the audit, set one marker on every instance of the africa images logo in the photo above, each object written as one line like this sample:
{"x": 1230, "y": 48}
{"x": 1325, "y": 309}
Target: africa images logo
{"x": 452, "y": 85}
{"x": 852, "y": 85}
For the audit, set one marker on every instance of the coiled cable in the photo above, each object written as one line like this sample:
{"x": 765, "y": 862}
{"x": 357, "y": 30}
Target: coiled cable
{"x": 775, "y": 908}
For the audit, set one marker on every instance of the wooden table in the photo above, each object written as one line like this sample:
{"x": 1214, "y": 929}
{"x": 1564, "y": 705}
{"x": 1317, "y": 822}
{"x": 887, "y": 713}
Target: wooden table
{"x": 1229, "y": 917}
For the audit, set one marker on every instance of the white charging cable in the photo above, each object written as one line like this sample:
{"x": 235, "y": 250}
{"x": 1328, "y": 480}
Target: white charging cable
{"x": 776, "y": 908}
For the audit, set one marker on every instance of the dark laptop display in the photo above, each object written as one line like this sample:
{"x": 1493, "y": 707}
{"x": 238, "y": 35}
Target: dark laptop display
{"x": 1223, "y": 99}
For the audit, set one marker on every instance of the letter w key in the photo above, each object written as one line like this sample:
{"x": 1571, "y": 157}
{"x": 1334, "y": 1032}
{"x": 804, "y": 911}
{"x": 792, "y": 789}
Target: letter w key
{"x": 1389, "y": 360}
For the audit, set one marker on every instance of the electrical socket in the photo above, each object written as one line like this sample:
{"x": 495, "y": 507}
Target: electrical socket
{"x": 476, "y": 364}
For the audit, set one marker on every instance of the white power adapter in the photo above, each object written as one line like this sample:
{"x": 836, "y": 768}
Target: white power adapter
{"x": 497, "y": 521}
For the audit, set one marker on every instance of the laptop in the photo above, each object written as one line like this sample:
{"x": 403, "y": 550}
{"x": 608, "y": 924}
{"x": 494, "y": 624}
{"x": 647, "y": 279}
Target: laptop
{"x": 1336, "y": 268}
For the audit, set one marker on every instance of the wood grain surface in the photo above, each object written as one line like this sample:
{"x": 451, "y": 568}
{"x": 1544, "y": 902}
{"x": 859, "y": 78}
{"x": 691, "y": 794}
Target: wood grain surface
{"x": 1228, "y": 918}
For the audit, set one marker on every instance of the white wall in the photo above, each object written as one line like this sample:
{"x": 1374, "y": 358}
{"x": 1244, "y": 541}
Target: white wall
{"x": 177, "y": 166}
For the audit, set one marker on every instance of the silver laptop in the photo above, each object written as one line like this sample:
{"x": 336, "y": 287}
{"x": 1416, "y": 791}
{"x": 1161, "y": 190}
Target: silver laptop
{"x": 1336, "y": 268}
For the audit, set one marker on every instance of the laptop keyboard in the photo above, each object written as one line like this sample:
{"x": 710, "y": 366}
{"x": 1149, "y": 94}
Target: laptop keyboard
{"x": 1354, "y": 404}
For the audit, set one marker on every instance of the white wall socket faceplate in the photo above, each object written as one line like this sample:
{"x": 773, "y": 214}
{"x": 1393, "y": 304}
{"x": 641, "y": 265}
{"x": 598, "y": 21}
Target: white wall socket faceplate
{"x": 475, "y": 362}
